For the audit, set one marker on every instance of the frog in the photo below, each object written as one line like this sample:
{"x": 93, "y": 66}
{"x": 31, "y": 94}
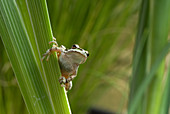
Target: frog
{"x": 69, "y": 61}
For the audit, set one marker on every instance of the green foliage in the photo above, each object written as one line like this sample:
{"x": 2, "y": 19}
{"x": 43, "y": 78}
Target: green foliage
{"x": 151, "y": 49}
{"x": 106, "y": 29}
{"x": 25, "y": 32}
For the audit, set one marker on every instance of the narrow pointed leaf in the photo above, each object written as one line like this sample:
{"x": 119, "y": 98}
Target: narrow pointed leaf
{"x": 25, "y": 31}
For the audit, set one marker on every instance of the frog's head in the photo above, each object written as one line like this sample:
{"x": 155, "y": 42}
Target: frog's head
{"x": 77, "y": 54}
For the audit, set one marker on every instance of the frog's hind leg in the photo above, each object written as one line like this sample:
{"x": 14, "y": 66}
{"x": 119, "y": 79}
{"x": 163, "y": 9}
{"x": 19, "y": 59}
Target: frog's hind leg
{"x": 68, "y": 85}
{"x": 62, "y": 81}
{"x": 70, "y": 78}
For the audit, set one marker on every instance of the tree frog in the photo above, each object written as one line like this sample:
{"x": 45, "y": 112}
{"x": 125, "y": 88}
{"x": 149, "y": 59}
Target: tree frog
{"x": 69, "y": 61}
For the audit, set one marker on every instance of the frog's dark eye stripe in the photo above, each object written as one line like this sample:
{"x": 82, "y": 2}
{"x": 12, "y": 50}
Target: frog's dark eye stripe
{"x": 75, "y": 46}
{"x": 80, "y": 49}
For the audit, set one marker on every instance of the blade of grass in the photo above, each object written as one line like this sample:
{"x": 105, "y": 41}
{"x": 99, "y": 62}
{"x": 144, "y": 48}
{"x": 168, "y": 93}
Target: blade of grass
{"x": 144, "y": 61}
{"x": 148, "y": 78}
{"x": 26, "y": 38}
{"x": 165, "y": 104}
{"x": 42, "y": 34}
{"x": 11, "y": 30}
{"x": 159, "y": 28}
{"x": 12, "y": 101}
{"x": 141, "y": 42}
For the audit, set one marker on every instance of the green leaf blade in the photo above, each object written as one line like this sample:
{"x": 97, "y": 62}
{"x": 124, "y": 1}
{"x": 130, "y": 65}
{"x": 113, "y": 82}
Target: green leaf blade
{"x": 24, "y": 64}
{"x": 26, "y": 38}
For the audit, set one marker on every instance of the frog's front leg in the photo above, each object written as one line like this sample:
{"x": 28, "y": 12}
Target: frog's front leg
{"x": 54, "y": 41}
{"x": 70, "y": 78}
{"x": 56, "y": 44}
{"x": 51, "y": 51}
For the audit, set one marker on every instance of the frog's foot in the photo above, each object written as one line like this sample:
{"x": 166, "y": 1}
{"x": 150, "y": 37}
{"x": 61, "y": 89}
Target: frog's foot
{"x": 62, "y": 80}
{"x": 68, "y": 85}
{"x": 49, "y": 52}
{"x": 54, "y": 41}
{"x": 62, "y": 85}
{"x": 54, "y": 38}
{"x": 65, "y": 83}
{"x": 56, "y": 44}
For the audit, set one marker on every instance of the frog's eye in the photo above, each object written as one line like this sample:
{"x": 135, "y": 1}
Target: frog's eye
{"x": 75, "y": 46}
{"x": 87, "y": 53}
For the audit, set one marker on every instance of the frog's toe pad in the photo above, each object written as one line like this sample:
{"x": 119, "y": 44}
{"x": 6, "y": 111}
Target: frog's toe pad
{"x": 62, "y": 80}
{"x": 62, "y": 85}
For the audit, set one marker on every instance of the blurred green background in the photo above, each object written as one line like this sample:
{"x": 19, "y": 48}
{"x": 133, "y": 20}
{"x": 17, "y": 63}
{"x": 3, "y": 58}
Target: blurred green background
{"x": 107, "y": 29}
